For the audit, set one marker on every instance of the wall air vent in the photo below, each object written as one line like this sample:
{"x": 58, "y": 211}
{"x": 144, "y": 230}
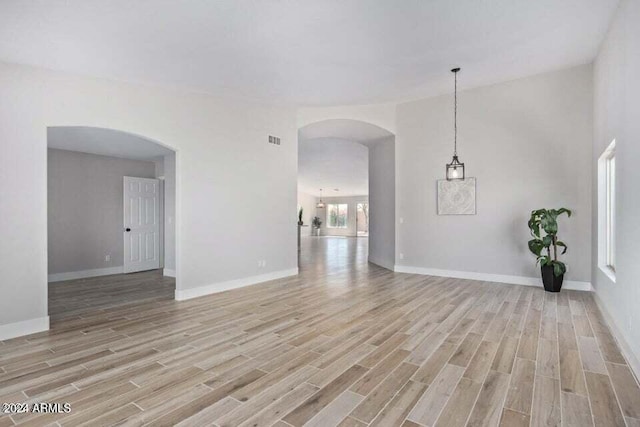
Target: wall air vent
{"x": 274, "y": 140}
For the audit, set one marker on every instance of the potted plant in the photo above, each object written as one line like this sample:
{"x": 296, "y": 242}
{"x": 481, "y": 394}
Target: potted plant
{"x": 552, "y": 269}
{"x": 300, "y": 221}
{"x": 316, "y": 224}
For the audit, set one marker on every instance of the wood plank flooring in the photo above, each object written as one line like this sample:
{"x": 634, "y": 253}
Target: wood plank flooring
{"x": 345, "y": 343}
{"x": 75, "y": 298}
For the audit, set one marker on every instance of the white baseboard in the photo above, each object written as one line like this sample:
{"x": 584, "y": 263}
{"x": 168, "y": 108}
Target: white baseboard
{"x": 72, "y": 275}
{"x": 627, "y": 352}
{"x": 487, "y": 277}
{"x": 200, "y": 291}
{"x": 25, "y": 327}
{"x": 383, "y": 264}
{"x": 168, "y": 272}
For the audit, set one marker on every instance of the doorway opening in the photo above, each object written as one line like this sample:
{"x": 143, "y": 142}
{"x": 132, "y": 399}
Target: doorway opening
{"x": 346, "y": 190}
{"x": 362, "y": 219}
{"x": 111, "y": 220}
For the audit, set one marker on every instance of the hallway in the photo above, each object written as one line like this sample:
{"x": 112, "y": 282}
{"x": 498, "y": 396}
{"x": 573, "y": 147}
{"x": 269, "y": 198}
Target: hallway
{"x": 334, "y": 254}
{"x": 344, "y": 343}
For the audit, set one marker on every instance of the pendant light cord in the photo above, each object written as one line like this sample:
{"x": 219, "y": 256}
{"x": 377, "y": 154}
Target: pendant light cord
{"x": 455, "y": 113}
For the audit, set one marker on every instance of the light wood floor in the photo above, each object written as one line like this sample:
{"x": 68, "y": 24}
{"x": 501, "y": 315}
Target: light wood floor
{"x": 345, "y": 343}
{"x": 76, "y": 298}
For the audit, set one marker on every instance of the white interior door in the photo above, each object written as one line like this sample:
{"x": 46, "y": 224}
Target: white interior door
{"x": 141, "y": 224}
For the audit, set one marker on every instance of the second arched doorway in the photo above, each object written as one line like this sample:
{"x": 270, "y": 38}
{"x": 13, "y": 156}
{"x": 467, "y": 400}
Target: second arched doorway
{"x": 322, "y": 148}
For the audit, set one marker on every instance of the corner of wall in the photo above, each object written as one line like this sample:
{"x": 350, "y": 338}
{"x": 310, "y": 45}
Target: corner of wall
{"x": 25, "y": 327}
{"x": 625, "y": 347}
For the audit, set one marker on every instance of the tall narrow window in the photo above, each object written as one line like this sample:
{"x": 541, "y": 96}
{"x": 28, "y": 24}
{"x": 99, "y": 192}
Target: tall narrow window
{"x": 607, "y": 211}
{"x": 362, "y": 219}
{"x": 611, "y": 212}
{"x": 337, "y": 215}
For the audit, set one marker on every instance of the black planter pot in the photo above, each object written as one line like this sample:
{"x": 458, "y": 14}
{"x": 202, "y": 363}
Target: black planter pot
{"x": 552, "y": 283}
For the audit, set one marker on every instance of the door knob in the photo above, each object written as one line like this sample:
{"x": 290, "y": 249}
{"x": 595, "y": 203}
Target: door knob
{"x": 127, "y": 230}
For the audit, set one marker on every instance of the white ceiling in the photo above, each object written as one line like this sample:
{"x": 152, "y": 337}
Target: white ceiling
{"x": 105, "y": 142}
{"x": 307, "y": 52}
{"x": 331, "y": 163}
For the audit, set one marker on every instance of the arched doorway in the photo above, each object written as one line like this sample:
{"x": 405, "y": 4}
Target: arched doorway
{"x": 379, "y": 146}
{"x": 111, "y": 211}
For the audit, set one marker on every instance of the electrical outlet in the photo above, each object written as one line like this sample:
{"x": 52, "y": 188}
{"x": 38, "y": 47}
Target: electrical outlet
{"x": 401, "y": 220}
{"x": 401, "y": 256}
{"x": 107, "y": 258}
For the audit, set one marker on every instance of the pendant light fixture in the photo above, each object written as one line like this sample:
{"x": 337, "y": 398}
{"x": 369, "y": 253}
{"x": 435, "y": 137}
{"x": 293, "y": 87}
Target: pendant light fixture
{"x": 320, "y": 204}
{"x": 455, "y": 169}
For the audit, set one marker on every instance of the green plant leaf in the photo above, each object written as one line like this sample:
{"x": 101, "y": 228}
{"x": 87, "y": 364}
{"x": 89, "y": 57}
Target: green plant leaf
{"x": 559, "y": 268}
{"x": 536, "y": 246}
{"x": 564, "y": 210}
{"x": 534, "y": 226}
{"x": 544, "y": 219}
{"x": 562, "y": 244}
{"x": 549, "y": 224}
{"x": 544, "y": 260}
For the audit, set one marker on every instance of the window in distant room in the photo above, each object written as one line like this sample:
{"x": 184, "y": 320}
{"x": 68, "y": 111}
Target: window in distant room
{"x": 607, "y": 211}
{"x": 337, "y": 215}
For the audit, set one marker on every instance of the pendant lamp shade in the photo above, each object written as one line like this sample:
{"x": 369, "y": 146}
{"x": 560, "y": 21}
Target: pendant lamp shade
{"x": 320, "y": 204}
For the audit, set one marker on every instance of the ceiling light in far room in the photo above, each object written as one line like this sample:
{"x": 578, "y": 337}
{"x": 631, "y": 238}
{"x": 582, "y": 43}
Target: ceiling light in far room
{"x": 320, "y": 204}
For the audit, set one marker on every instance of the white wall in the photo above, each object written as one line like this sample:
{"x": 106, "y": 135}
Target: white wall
{"x": 85, "y": 209}
{"x": 382, "y": 207}
{"x": 169, "y": 213}
{"x": 159, "y": 174}
{"x": 23, "y": 204}
{"x": 528, "y": 144}
{"x": 166, "y": 170}
{"x": 308, "y": 204}
{"x": 617, "y": 116}
{"x": 226, "y": 173}
{"x": 351, "y": 202}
